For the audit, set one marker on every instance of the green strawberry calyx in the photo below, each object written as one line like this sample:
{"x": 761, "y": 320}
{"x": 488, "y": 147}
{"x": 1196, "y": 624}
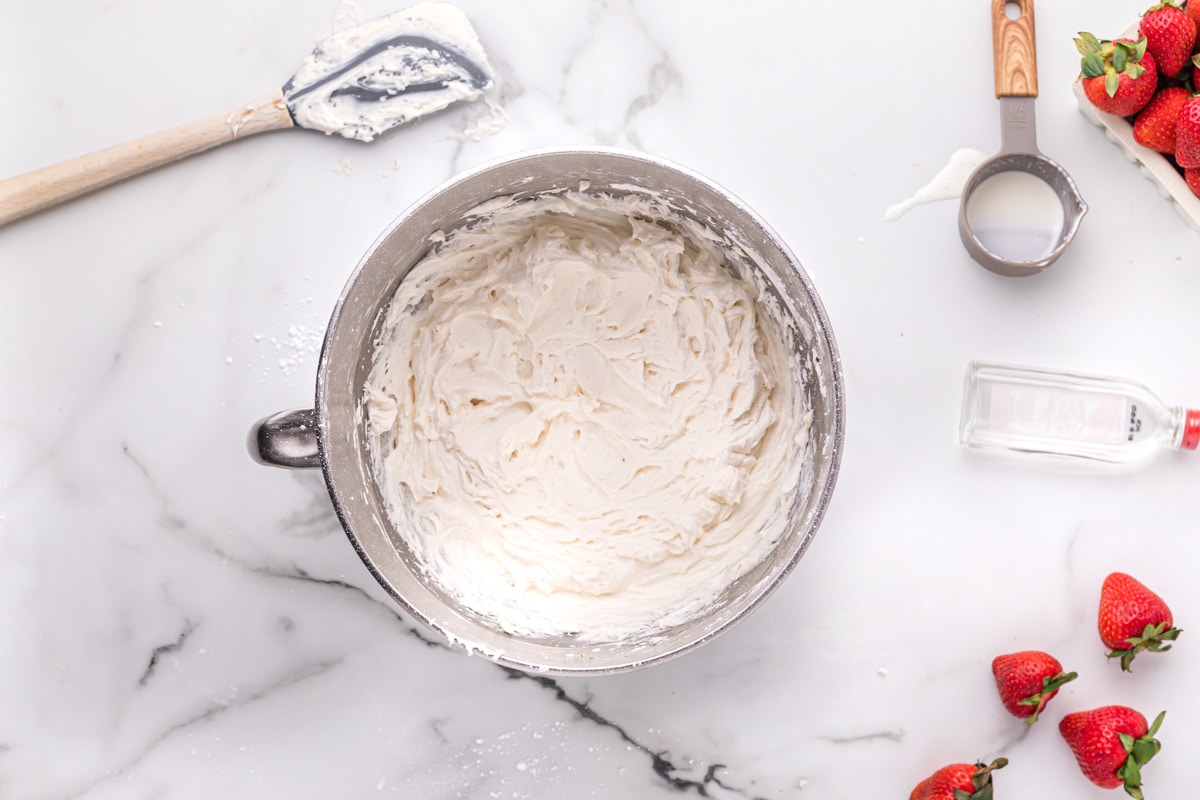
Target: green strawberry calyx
{"x": 1154, "y": 638}
{"x": 1140, "y": 751}
{"x": 1050, "y": 685}
{"x": 982, "y": 781}
{"x": 1110, "y": 60}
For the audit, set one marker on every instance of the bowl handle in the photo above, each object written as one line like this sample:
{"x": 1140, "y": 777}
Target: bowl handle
{"x": 287, "y": 439}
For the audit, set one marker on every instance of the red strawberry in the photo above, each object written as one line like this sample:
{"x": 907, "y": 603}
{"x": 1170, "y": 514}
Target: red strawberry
{"x": 1170, "y": 35}
{"x": 958, "y": 782}
{"x": 1132, "y": 619}
{"x": 1027, "y": 680}
{"x": 1193, "y": 9}
{"x": 1192, "y": 176}
{"x": 1187, "y": 134}
{"x": 1156, "y": 123}
{"x": 1112, "y": 744}
{"x": 1118, "y": 77}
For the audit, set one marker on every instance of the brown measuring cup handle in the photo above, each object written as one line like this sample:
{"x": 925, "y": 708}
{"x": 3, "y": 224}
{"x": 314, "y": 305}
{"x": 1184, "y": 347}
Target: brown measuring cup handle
{"x": 1014, "y": 50}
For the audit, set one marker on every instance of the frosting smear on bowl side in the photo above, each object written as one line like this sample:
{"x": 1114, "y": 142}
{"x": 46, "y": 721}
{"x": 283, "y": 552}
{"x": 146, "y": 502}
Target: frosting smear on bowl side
{"x": 583, "y": 422}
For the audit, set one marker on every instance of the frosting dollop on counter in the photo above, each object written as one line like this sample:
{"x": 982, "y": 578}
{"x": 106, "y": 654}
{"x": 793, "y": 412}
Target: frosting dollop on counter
{"x": 583, "y": 423}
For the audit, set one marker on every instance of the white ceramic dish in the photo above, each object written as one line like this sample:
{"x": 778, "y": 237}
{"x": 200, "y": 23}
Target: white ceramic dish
{"x": 1153, "y": 165}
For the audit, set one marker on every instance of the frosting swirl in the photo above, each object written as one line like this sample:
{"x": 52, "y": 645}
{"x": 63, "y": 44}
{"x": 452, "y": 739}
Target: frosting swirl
{"x": 586, "y": 424}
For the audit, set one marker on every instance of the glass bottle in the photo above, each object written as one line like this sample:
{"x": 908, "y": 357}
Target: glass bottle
{"x": 1070, "y": 414}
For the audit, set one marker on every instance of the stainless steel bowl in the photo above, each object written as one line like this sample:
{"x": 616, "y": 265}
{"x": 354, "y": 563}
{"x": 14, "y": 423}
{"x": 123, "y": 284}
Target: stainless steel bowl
{"x": 333, "y": 435}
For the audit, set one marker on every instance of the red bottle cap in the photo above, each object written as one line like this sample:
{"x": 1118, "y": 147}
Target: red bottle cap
{"x": 1191, "y": 430}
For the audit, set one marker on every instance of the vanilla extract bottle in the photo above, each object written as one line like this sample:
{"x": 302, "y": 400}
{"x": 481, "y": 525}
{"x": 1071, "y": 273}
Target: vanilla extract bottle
{"x": 1071, "y": 415}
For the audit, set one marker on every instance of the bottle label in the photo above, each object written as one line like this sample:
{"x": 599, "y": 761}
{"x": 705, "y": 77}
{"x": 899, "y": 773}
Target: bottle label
{"x": 1041, "y": 411}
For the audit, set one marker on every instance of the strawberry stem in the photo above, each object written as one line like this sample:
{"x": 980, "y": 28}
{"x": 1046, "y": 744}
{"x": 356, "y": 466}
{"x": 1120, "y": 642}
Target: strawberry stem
{"x": 981, "y": 781}
{"x": 1050, "y": 685}
{"x": 1154, "y": 639}
{"x": 1140, "y": 751}
{"x": 1110, "y": 59}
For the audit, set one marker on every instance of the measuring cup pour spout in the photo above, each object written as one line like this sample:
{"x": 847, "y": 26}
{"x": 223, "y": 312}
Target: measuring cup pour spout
{"x": 1019, "y": 209}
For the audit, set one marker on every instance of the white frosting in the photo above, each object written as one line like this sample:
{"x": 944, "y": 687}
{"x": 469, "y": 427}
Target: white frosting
{"x": 362, "y": 81}
{"x": 347, "y": 15}
{"x": 489, "y": 120}
{"x": 584, "y": 423}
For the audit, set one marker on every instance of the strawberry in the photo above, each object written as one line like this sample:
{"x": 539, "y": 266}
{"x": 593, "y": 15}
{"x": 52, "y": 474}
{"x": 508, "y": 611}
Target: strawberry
{"x": 1156, "y": 124}
{"x": 1192, "y": 176}
{"x": 1118, "y": 77}
{"x": 1193, "y": 9}
{"x": 1112, "y": 744}
{"x": 1132, "y": 619}
{"x": 958, "y": 782}
{"x": 1027, "y": 680}
{"x": 1170, "y": 35}
{"x": 1187, "y": 134}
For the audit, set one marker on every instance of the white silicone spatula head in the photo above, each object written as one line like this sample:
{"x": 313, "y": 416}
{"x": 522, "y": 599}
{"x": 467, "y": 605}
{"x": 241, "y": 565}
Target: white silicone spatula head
{"x": 358, "y": 83}
{"x": 368, "y": 79}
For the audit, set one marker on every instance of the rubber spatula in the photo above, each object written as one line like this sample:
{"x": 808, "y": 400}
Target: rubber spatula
{"x": 357, "y": 83}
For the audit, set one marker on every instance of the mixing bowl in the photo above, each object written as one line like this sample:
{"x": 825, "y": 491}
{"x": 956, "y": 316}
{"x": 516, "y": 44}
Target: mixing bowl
{"x": 333, "y": 435}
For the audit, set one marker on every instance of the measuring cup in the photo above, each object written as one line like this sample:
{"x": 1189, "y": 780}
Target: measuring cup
{"x": 1019, "y": 209}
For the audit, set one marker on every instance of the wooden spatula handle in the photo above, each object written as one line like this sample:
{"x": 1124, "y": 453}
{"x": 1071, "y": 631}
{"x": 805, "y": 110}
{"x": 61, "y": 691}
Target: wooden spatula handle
{"x": 1014, "y": 49}
{"x": 42, "y": 188}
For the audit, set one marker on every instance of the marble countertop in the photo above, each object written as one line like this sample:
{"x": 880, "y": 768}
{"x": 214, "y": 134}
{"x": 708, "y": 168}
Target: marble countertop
{"x": 177, "y": 621}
